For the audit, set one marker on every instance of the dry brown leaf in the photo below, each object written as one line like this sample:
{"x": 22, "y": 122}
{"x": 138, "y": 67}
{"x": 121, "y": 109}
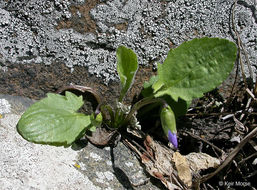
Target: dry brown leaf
{"x": 174, "y": 170}
{"x": 183, "y": 168}
{"x": 160, "y": 164}
{"x": 201, "y": 161}
{"x": 100, "y": 137}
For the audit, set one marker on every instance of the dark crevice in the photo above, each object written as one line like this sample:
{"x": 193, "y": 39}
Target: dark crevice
{"x": 120, "y": 174}
{"x": 95, "y": 45}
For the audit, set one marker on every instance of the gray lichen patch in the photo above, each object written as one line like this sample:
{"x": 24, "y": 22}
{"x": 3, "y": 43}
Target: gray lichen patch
{"x": 5, "y": 106}
{"x": 104, "y": 177}
{"x": 86, "y": 33}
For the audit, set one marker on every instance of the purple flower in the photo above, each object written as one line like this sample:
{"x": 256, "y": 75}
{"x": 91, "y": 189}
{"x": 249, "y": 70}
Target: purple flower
{"x": 173, "y": 139}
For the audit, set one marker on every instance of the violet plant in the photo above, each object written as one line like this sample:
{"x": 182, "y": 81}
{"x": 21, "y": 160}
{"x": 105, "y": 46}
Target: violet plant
{"x": 190, "y": 70}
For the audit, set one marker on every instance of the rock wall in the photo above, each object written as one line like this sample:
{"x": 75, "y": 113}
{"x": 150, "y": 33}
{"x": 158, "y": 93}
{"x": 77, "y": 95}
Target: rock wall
{"x": 87, "y": 33}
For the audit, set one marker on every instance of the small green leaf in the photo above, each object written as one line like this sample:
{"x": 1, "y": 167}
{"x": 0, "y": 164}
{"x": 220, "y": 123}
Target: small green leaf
{"x": 96, "y": 121}
{"x": 126, "y": 66}
{"x": 54, "y": 120}
{"x": 195, "y": 67}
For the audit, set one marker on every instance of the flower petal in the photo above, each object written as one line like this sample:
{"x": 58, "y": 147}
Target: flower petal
{"x": 173, "y": 138}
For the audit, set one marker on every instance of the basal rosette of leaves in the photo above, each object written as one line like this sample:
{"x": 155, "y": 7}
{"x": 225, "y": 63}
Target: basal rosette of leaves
{"x": 189, "y": 71}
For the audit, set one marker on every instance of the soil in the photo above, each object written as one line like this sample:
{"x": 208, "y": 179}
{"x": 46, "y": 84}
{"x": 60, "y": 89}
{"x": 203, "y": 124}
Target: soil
{"x": 35, "y": 80}
{"x": 203, "y": 121}
{"x": 83, "y": 23}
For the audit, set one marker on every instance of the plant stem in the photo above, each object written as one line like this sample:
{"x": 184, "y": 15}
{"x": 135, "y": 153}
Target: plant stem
{"x": 139, "y": 104}
{"x": 110, "y": 111}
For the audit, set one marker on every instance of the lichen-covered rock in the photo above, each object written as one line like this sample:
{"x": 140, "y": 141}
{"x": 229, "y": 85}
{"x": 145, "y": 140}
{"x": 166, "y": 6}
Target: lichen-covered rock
{"x": 86, "y": 33}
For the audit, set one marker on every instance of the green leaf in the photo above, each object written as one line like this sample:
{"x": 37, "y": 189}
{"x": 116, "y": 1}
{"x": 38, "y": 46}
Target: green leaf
{"x": 126, "y": 66}
{"x": 54, "y": 120}
{"x": 195, "y": 67}
{"x": 96, "y": 121}
{"x": 148, "y": 90}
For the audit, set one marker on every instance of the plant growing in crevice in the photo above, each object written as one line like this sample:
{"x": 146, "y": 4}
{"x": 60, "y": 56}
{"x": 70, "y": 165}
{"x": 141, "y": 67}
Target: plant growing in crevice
{"x": 189, "y": 71}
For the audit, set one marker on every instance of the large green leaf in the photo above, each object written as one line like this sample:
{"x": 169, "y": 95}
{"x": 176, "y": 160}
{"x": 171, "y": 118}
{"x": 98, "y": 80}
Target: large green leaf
{"x": 54, "y": 120}
{"x": 195, "y": 67}
{"x": 126, "y": 66}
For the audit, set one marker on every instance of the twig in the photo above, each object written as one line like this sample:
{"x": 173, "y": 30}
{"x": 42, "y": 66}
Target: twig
{"x": 208, "y": 114}
{"x": 238, "y": 43}
{"x": 237, "y": 168}
{"x": 250, "y": 93}
{"x": 210, "y": 186}
{"x": 234, "y": 83}
{"x": 241, "y": 46}
{"x": 252, "y": 174}
{"x": 227, "y": 114}
{"x": 247, "y": 158}
{"x": 129, "y": 144}
{"x": 246, "y": 108}
{"x": 247, "y": 60}
{"x": 230, "y": 157}
{"x": 239, "y": 126}
{"x": 204, "y": 140}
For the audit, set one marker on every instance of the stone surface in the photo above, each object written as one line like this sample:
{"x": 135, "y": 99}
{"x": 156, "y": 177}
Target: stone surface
{"x": 25, "y": 165}
{"x": 87, "y": 33}
{"x": 47, "y": 44}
